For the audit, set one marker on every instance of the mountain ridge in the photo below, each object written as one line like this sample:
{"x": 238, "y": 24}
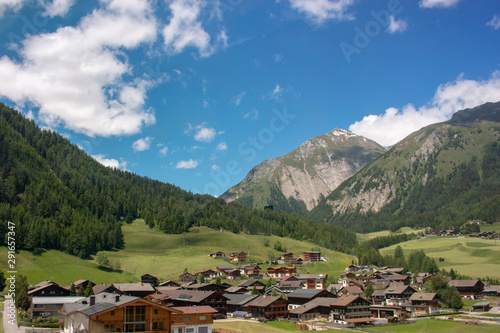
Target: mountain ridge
{"x": 297, "y": 181}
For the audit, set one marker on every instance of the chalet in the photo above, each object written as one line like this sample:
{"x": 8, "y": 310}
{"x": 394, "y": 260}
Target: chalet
{"x": 398, "y": 294}
{"x": 378, "y": 297}
{"x": 50, "y": 306}
{"x": 236, "y": 290}
{"x": 250, "y": 270}
{"x": 186, "y": 278}
{"x": 195, "y": 297}
{"x": 351, "y": 310}
{"x": 233, "y": 274}
{"x": 287, "y": 256}
{"x": 422, "y": 278}
{"x": 389, "y": 312}
{"x": 208, "y": 274}
{"x": 350, "y": 290}
{"x": 48, "y": 289}
{"x": 236, "y": 302}
{"x": 468, "y": 288}
{"x": 222, "y": 270}
{"x": 249, "y": 284}
{"x": 217, "y": 254}
{"x": 238, "y": 257}
{"x": 158, "y": 298}
{"x": 289, "y": 284}
{"x": 81, "y": 285}
{"x": 423, "y": 304}
{"x": 205, "y": 287}
{"x": 193, "y": 319}
{"x": 151, "y": 279}
{"x": 313, "y": 281}
{"x": 302, "y": 296}
{"x": 296, "y": 262}
{"x": 169, "y": 284}
{"x": 311, "y": 256}
{"x": 135, "y": 289}
{"x": 493, "y": 291}
{"x": 116, "y": 313}
{"x": 267, "y": 307}
{"x": 334, "y": 288}
{"x": 316, "y": 309}
{"x": 277, "y": 272}
{"x": 105, "y": 288}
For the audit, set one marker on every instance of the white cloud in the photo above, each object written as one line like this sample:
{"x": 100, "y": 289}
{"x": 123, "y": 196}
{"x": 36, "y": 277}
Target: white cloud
{"x": 495, "y": 22}
{"x": 52, "y": 8}
{"x": 215, "y": 167}
{"x": 238, "y": 98}
{"x": 110, "y": 162}
{"x": 191, "y": 164}
{"x": 320, "y": 11}
{"x": 202, "y": 132}
{"x": 185, "y": 29}
{"x": 75, "y": 75}
{"x": 58, "y": 7}
{"x": 393, "y": 125}
{"x": 438, "y": 3}
{"x": 254, "y": 114}
{"x": 396, "y": 25}
{"x": 278, "y": 57}
{"x": 142, "y": 144}
{"x": 221, "y": 146}
{"x": 163, "y": 151}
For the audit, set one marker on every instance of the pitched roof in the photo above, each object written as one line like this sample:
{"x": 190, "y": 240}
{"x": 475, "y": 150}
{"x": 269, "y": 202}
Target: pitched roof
{"x": 124, "y": 287}
{"x": 56, "y": 300}
{"x": 312, "y": 276}
{"x": 345, "y": 300}
{"x": 353, "y": 290}
{"x": 304, "y": 293}
{"x": 239, "y": 299}
{"x": 464, "y": 283}
{"x": 263, "y": 301}
{"x": 195, "y": 309}
{"x": 99, "y": 288}
{"x": 315, "y": 303}
{"x": 103, "y": 301}
{"x": 423, "y": 296}
{"x": 249, "y": 283}
{"x": 397, "y": 289}
{"x": 192, "y": 296}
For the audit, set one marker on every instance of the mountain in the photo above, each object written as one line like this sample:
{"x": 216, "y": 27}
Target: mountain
{"x": 55, "y": 196}
{"x": 297, "y": 181}
{"x": 442, "y": 175}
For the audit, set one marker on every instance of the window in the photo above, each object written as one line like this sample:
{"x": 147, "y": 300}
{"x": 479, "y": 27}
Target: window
{"x": 185, "y": 318}
{"x": 109, "y": 328}
{"x": 203, "y": 318}
{"x": 155, "y": 311}
{"x": 112, "y": 313}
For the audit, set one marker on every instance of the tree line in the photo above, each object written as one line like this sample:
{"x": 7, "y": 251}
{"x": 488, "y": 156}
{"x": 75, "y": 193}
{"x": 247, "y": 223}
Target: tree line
{"x": 61, "y": 198}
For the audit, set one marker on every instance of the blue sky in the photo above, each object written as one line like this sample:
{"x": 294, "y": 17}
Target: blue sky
{"x": 196, "y": 93}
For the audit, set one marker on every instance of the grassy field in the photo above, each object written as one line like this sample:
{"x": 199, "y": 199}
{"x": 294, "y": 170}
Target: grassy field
{"x": 60, "y": 267}
{"x": 474, "y": 257}
{"x": 151, "y": 251}
{"x": 405, "y": 230}
{"x": 495, "y": 227}
{"x": 270, "y": 327}
{"x": 436, "y": 325}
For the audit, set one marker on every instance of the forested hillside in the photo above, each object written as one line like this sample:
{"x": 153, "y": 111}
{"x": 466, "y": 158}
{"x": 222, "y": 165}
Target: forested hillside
{"x": 61, "y": 198}
{"x": 442, "y": 175}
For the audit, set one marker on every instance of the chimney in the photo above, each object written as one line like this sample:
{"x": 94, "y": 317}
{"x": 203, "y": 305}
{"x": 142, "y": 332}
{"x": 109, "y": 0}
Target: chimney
{"x": 92, "y": 300}
{"x": 117, "y": 298}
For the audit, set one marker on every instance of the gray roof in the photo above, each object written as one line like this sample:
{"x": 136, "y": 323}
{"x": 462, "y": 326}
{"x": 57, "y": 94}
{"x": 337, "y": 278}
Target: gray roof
{"x": 304, "y": 293}
{"x": 239, "y": 299}
{"x": 317, "y": 302}
{"x": 422, "y": 296}
{"x": 103, "y": 301}
{"x": 481, "y": 304}
{"x": 56, "y": 300}
{"x": 312, "y": 276}
{"x": 124, "y": 287}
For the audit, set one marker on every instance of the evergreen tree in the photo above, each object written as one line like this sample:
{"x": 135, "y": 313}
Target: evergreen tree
{"x": 254, "y": 290}
{"x": 22, "y": 299}
{"x": 72, "y": 290}
{"x": 368, "y": 291}
{"x": 218, "y": 281}
{"x": 456, "y": 301}
{"x": 2, "y": 281}
{"x": 89, "y": 291}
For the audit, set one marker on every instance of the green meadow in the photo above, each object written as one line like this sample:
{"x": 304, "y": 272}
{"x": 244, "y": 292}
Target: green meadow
{"x": 152, "y": 251}
{"x": 405, "y": 230}
{"x": 435, "y": 326}
{"x": 475, "y": 257}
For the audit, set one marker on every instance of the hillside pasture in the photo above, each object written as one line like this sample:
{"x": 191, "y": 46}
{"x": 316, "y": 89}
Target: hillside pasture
{"x": 365, "y": 237}
{"x": 475, "y": 257}
{"x": 152, "y": 251}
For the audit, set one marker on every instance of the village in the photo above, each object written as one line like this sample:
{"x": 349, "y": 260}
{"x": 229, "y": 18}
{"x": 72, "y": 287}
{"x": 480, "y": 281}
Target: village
{"x": 238, "y": 290}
